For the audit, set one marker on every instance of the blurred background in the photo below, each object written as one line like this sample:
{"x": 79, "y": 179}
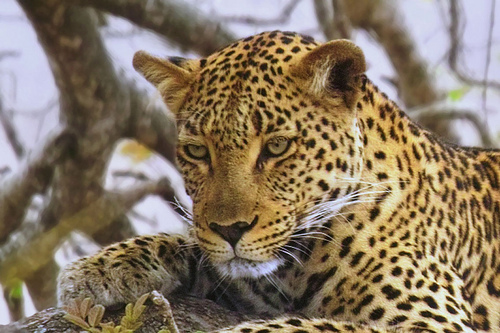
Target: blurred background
{"x": 86, "y": 146}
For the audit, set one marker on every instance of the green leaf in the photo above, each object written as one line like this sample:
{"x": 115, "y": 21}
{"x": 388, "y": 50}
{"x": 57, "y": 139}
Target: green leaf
{"x": 456, "y": 95}
{"x": 16, "y": 290}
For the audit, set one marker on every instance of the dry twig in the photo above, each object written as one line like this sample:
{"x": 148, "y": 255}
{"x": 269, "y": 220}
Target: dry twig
{"x": 416, "y": 86}
{"x": 455, "y": 30}
{"x": 454, "y": 113}
{"x": 11, "y": 132}
{"x": 281, "y": 18}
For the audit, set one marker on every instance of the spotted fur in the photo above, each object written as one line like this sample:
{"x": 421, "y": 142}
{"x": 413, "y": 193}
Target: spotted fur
{"x": 314, "y": 195}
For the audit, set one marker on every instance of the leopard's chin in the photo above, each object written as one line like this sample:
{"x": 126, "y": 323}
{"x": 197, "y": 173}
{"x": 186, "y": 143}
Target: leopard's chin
{"x": 244, "y": 268}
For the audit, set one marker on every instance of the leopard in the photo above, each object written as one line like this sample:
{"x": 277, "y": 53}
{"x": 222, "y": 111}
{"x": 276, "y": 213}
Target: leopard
{"x": 318, "y": 204}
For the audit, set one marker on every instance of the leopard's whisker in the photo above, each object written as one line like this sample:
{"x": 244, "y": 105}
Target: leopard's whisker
{"x": 290, "y": 254}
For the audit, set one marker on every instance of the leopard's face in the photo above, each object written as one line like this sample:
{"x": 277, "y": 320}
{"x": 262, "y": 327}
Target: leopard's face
{"x": 263, "y": 139}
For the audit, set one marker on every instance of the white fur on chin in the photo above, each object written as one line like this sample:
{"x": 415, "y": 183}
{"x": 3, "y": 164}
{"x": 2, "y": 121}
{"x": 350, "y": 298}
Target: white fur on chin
{"x": 240, "y": 268}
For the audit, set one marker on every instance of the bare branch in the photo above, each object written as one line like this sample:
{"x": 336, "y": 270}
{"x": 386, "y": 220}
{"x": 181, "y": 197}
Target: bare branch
{"x": 332, "y": 18}
{"x": 168, "y": 195}
{"x": 31, "y": 247}
{"x": 437, "y": 112}
{"x": 4, "y": 170}
{"x": 42, "y": 286}
{"x": 416, "y": 85}
{"x": 282, "y": 18}
{"x": 93, "y": 101}
{"x": 152, "y": 222}
{"x": 340, "y": 19}
{"x": 177, "y": 21}
{"x": 99, "y": 108}
{"x": 324, "y": 14}
{"x": 151, "y": 126}
{"x": 119, "y": 34}
{"x": 383, "y": 20}
{"x": 137, "y": 175}
{"x": 11, "y": 133}
{"x": 9, "y": 54}
{"x": 94, "y": 105}
{"x": 455, "y": 32}
{"x": 32, "y": 178}
{"x": 488, "y": 56}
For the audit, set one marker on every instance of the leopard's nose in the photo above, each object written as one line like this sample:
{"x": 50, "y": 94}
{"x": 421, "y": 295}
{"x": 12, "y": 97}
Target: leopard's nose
{"x": 232, "y": 233}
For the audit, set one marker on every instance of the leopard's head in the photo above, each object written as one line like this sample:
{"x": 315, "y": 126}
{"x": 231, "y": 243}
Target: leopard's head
{"x": 267, "y": 131}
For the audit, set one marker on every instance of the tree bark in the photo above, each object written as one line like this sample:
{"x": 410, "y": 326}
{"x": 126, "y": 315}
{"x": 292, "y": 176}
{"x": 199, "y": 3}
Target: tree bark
{"x": 32, "y": 248}
{"x": 34, "y": 177}
{"x": 96, "y": 107}
{"x": 42, "y": 286}
{"x": 190, "y": 314}
{"x": 179, "y": 22}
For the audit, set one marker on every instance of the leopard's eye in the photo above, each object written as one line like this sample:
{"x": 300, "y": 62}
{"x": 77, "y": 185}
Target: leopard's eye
{"x": 277, "y": 146}
{"x": 197, "y": 152}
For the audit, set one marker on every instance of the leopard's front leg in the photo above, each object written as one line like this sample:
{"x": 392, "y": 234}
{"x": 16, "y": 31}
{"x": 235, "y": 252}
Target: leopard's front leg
{"x": 123, "y": 271}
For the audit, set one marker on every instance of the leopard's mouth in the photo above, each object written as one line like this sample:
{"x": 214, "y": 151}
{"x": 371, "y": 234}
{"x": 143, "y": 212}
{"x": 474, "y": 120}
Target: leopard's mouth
{"x": 240, "y": 268}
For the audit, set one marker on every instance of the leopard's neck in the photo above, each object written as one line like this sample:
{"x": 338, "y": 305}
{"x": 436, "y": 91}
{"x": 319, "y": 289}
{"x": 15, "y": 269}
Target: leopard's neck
{"x": 454, "y": 191}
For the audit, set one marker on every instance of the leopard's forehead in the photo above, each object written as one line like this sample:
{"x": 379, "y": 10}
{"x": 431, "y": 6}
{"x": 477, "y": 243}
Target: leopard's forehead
{"x": 271, "y": 48}
{"x": 245, "y": 88}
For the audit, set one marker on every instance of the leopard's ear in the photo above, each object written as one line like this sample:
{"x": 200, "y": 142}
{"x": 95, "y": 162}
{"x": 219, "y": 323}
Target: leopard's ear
{"x": 335, "y": 68}
{"x": 172, "y": 77}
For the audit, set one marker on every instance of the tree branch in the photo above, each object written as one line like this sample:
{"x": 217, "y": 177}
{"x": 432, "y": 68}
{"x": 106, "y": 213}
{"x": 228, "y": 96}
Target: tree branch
{"x": 332, "y": 19}
{"x": 324, "y": 14}
{"x": 452, "y": 114}
{"x": 151, "y": 125}
{"x": 281, "y": 18}
{"x": 41, "y": 284}
{"x": 488, "y": 56}
{"x": 93, "y": 105}
{"x": 340, "y": 19}
{"x": 10, "y": 132}
{"x": 416, "y": 86}
{"x": 99, "y": 108}
{"x": 177, "y": 21}
{"x": 8, "y": 54}
{"x": 456, "y": 47}
{"x": 383, "y": 20}
{"x": 31, "y": 247}
{"x": 34, "y": 177}
{"x": 190, "y": 314}
{"x": 168, "y": 195}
